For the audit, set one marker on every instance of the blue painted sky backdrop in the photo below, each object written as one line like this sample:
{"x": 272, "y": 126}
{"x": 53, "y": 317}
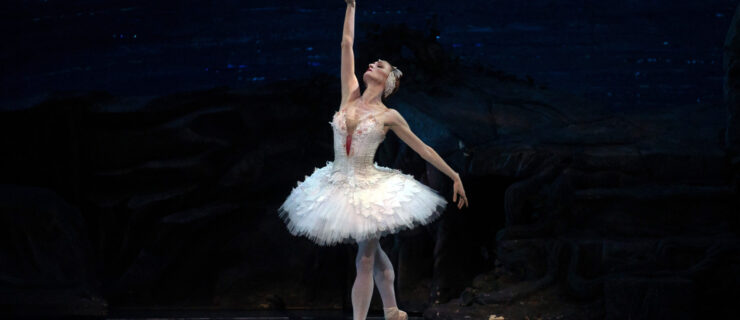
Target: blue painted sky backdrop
{"x": 628, "y": 54}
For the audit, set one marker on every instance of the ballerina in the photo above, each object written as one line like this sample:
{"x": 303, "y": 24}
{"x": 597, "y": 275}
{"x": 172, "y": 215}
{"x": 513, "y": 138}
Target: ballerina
{"x": 352, "y": 199}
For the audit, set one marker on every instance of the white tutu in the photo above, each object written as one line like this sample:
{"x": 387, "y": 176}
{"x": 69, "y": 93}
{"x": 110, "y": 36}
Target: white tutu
{"x": 328, "y": 210}
{"x": 353, "y": 199}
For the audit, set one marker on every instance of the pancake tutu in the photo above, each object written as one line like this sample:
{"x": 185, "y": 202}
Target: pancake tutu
{"x": 331, "y": 206}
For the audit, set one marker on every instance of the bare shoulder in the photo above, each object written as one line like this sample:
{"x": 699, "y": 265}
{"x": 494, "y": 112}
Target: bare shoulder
{"x": 391, "y": 117}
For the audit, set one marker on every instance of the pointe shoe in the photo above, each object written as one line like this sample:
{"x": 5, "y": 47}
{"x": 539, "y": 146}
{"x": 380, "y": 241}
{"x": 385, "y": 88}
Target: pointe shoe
{"x": 393, "y": 313}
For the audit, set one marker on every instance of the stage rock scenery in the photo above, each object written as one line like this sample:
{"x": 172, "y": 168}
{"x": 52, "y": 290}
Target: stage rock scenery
{"x": 139, "y": 188}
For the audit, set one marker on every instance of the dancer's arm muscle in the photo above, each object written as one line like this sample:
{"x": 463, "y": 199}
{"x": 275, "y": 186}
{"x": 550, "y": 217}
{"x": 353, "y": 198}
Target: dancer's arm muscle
{"x": 401, "y": 128}
{"x": 350, "y": 85}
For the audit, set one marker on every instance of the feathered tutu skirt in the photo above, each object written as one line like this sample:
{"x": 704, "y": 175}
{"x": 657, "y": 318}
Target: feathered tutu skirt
{"x": 332, "y": 206}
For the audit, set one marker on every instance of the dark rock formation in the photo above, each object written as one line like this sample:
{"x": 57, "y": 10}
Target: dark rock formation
{"x": 639, "y": 210}
{"x": 47, "y": 260}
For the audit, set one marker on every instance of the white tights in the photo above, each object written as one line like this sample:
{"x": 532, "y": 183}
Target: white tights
{"x": 372, "y": 262}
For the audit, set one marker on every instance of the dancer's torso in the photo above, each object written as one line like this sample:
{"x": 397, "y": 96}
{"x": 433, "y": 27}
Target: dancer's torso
{"x": 356, "y": 139}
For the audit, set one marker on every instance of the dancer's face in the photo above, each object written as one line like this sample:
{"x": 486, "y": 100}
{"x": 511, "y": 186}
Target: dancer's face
{"x": 377, "y": 72}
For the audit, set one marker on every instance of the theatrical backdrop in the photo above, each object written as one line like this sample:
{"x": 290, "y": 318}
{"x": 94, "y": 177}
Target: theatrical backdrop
{"x": 147, "y": 145}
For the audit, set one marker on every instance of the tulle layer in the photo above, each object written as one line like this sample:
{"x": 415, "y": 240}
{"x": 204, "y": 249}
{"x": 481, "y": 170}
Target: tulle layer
{"x": 331, "y": 207}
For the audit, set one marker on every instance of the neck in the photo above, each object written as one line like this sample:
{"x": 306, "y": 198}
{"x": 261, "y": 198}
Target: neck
{"x": 372, "y": 95}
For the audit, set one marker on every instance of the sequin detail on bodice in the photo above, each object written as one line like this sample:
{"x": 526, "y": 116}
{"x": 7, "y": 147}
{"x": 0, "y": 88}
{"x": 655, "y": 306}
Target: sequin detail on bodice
{"x": 362, "y": 144}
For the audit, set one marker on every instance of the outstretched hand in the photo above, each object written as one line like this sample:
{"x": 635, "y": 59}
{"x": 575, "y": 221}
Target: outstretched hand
{"x": 459, "y": 190}
{"x": 350, "y": 2}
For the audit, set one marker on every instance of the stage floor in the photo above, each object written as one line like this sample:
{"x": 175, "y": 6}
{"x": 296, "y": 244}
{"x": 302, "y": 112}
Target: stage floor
{"x": 242, "y": 315}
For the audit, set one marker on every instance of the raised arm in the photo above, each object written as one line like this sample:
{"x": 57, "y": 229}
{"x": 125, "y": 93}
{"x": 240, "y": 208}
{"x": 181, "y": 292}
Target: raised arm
{"x": 401, "y": 128}
{"x": 350, "y": 85}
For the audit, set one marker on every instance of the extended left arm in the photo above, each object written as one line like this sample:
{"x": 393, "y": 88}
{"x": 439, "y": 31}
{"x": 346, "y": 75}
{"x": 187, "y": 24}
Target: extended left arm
{"x": 401, "y": 128}
{"x": 437, "y": 161}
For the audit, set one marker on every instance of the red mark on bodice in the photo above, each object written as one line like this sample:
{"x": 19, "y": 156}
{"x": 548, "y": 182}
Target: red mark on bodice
{"x": 348, "y": 143}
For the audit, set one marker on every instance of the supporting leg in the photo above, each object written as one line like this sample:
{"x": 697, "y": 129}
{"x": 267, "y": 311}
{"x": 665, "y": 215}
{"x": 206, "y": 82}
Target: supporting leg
{"x": 362, "y": 290}
{"x": 384, "y": 277}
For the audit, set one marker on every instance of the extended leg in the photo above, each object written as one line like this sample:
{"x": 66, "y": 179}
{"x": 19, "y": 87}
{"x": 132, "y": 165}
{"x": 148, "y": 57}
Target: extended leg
{"x": 384, "y": 277}
{"x": 362, "y": 290}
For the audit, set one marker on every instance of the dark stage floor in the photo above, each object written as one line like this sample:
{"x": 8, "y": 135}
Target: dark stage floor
{"x": 262, "y": 315}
